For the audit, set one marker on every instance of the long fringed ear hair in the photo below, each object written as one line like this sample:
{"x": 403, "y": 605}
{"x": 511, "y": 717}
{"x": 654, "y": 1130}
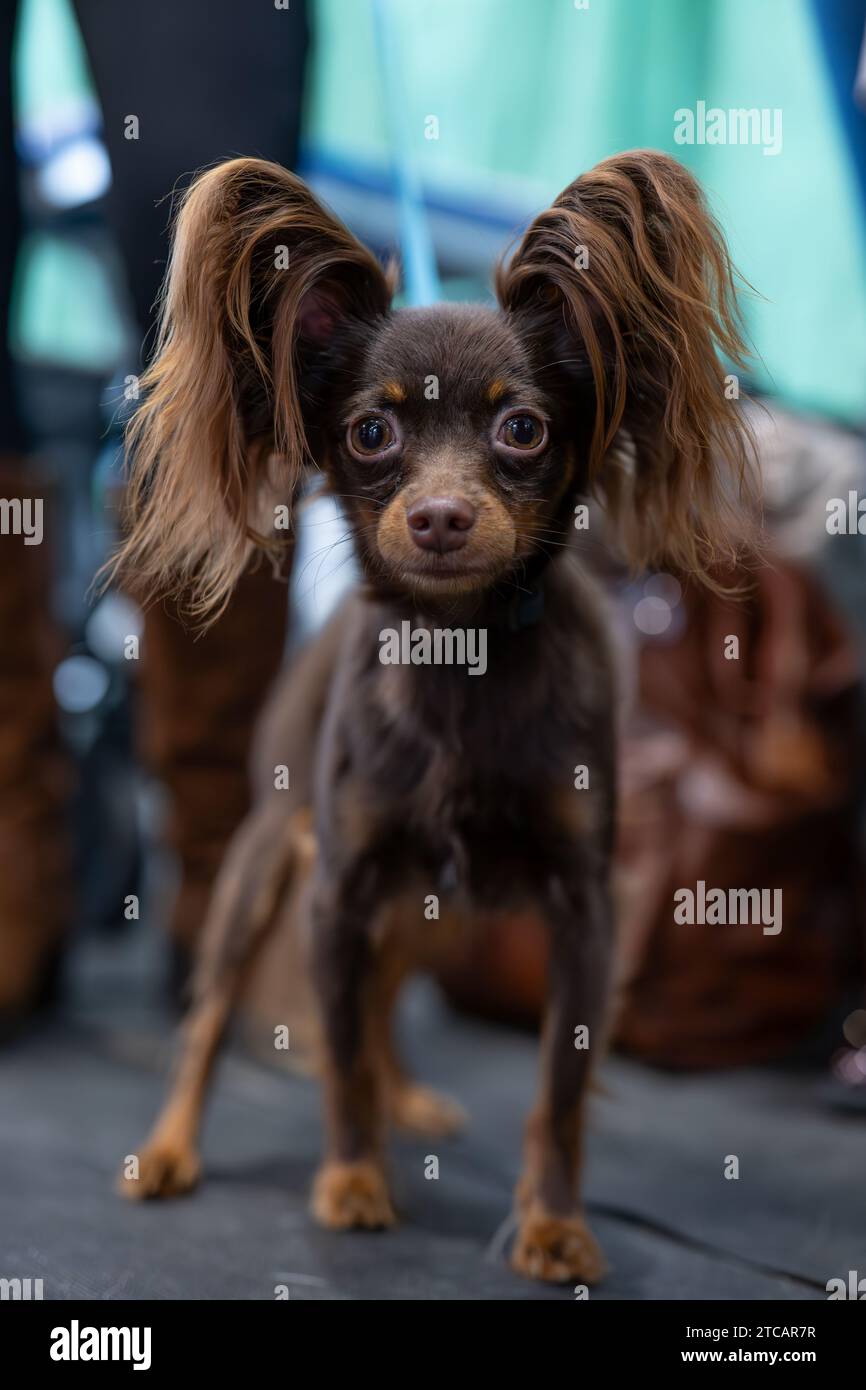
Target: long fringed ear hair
{"x": 629, "y": 272}
{"x": 260, "y": 276}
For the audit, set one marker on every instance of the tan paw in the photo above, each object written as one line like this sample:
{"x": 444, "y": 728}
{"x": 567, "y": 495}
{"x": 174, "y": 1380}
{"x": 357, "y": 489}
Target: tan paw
{"x": 352, "y": 1195}
{"x": 421, "y": 1110}
{"x": 556, "y": 1248}
{"x": 163, "y": 1170}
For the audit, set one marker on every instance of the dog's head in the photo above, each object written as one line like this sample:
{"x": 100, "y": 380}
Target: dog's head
{"x": 456, "y": 438}
{"x": 447, "y": 450}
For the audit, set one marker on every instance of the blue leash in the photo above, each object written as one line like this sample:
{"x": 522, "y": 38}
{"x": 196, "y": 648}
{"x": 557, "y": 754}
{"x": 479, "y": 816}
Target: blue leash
{"x": 420, "y": 275}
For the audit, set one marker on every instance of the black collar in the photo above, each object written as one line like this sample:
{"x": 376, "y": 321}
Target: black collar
{"x": 525, "y": 609}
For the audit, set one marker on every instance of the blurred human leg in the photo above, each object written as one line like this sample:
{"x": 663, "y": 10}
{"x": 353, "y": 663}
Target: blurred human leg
{"x": 35, "y": 776}
{"x": 203, "y": 80}
{"x": 34, "y": 771}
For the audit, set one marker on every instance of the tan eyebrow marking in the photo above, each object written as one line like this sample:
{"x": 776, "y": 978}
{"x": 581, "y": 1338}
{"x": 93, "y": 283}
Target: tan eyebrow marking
{"x": 394, "y": 391}
{"x": 496, "y": 390}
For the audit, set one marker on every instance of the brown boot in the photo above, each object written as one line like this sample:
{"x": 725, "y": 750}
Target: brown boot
{"x": 35, "y": 774}
{"x": 201, "y": 696}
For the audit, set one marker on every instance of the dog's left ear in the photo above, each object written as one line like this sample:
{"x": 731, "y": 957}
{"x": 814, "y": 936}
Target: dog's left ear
{"x": 628, "y": 274}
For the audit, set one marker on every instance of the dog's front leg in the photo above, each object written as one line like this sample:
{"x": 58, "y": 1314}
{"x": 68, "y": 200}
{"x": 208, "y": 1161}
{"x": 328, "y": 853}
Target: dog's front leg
{"x": 351, "y": 1188}
{"x": 553, "y": 1241}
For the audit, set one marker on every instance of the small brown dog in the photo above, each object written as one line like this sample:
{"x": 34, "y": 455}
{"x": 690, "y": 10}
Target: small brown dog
{"x": 458, "y": 440}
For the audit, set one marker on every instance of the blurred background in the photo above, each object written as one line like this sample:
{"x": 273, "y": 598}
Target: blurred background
{"x": 437, "y": 129}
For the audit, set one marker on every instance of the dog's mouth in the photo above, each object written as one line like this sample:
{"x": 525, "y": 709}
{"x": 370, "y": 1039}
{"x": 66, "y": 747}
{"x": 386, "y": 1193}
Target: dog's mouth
{"x": 449, "y": 573}
{"x": 441, "y": 567}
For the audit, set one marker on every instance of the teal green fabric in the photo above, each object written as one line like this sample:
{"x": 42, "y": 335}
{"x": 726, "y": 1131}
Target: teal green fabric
{"x": 51, "y": 70}
{"x": 65, "y": 311}
{"x": 528, "y": 93}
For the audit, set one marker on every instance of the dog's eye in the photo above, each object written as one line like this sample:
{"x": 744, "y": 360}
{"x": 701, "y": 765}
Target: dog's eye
{"x": 522, "y": 432}
{"x": 372, "y": 435}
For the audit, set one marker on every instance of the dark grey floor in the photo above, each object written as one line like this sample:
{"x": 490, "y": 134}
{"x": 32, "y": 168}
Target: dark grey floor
{"x": 78, "y": 1096}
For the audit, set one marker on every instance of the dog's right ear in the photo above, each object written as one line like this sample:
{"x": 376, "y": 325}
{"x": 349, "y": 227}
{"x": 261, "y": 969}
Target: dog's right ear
{"x": 260, "y": 277}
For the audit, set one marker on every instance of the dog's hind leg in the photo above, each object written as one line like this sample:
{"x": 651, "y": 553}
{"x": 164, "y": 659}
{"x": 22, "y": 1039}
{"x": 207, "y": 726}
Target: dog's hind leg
{"x": 267, "y": 852}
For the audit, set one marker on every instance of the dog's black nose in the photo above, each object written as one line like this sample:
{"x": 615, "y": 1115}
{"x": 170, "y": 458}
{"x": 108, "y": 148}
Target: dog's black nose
{"x": 441, "y": 523}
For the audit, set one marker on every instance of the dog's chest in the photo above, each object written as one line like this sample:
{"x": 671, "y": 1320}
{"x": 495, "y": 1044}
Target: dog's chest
{"x": 469, "y": 786}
